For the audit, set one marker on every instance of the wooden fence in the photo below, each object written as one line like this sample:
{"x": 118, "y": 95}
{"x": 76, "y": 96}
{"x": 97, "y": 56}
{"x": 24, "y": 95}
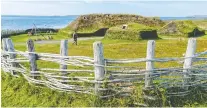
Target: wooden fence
{"x": 7, "y": 33}
{"x": 106, "y": 77}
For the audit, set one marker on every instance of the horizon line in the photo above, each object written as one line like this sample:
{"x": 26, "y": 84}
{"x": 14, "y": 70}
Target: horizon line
{"x": 102, "y": 13}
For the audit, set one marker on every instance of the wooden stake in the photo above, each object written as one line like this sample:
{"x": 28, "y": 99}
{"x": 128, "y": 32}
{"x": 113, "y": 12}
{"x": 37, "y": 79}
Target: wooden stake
{"x": 32, "y": 57}
{"x": 149, "y": 64}
{"x": 63, "y": 52}
{"x": 10, "y": 47}
{"x": 100, "y": 63}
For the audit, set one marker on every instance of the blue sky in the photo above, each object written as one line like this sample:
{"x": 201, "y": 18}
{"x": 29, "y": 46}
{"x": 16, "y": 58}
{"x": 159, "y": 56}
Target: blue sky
{"x": 77, "y": 7}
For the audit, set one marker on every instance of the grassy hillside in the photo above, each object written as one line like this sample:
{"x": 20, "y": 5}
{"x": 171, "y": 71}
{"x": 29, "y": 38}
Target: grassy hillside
{"x": 133, "y": 32}
{"x": 93, "y": 22}
{"x": 201, "y": 23}
{"x": 96, "y": 21}
{"x": 185, "y": 28}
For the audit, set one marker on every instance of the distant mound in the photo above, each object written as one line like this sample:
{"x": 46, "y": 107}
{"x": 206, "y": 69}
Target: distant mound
{"x": 93, "y": 22}
{"x": 111, "y": 24}
{"x": 134, "y": 31}
{"x": 181, "y": 28}
{"x": 201, "y": 23}
{"x": 138, "y": 27}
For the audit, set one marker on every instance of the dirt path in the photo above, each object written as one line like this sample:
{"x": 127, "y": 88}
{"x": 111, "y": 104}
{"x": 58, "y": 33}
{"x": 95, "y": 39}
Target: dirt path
{"x": 58, "y": 41}
{"x": 86, "y": 38}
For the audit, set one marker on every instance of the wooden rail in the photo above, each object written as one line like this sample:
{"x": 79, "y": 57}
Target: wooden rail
{"x": 102, "y": 71}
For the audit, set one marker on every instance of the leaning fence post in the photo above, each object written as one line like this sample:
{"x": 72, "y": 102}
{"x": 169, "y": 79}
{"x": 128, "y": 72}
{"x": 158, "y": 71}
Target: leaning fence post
{"x": 149, "y": 64}
{"x": 5, "y": 49}
{"x": 10, "y": 47}
{"x": 32, "y": 57}
{"x": 63, "y": 52}
{"x": 190, "y": 51}
{"x": 99, "y": 64}
{"x": 4, "y": 46}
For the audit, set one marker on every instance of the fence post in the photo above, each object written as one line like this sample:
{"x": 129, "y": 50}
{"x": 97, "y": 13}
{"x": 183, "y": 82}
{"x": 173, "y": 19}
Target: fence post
{"x": 4, "y": 46}
{"x": 190, "y": 51}
{"x": 63, "y": 52}
{"x": 10, "y": 48}
{"x": 98, "y": 60}
{"x": 32, "y": 57}
{"x": 149, "y": 64}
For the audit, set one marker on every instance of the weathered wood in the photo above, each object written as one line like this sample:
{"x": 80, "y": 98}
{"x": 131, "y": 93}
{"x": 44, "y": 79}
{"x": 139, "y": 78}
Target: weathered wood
{"x": 10, "y": 47}
{"x": 63, "y": 52}
{"x": 4, "y": 44}
{"x": 4, "y": 48}
{"x": 98, "y": 60}
{"x": 32, "y": 57}
{"x": 149, "y": 64}
{"x": 190, "y": 51}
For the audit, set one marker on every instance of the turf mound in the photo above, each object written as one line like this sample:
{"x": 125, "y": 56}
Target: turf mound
{"x": 134, "y": 31}
{"x": 93, "y": 22}
{"x": 181, "y": 28}
{"x": 201, "y": 23}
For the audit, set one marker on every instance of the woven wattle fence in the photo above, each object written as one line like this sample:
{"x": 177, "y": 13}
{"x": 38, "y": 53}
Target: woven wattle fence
{"x": 106, "y": 77}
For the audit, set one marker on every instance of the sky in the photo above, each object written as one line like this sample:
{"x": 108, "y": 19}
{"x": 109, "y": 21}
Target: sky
{"x": 160, "y": 8}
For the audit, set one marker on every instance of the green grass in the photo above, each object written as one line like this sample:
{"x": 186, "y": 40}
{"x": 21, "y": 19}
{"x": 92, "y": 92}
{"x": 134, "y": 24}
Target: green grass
{"x": 204, "y": 37}
{"x": 184, "y": 28}
{"x": 117, "y": 49}
{"x": 94, "y": 22}
{"x": 131, "y": 33}
{"x": 25, "y": 37}
{"x": 19, "y": 93}
{"x": 201, "y": 23}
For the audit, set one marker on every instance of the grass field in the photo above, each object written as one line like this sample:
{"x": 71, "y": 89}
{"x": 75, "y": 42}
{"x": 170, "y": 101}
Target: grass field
{"x": 17, "y": 92}
{"x": 24, "y": 37}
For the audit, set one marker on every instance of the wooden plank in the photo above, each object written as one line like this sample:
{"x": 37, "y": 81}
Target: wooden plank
{"x": 32, "y": 57}
{"x": 149, "y": 64}
{"x": 190, "y": 52}
{"x": 10, "y": 47}
{"x": 63, "y": 52}
{"x": 98, "y": 60}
